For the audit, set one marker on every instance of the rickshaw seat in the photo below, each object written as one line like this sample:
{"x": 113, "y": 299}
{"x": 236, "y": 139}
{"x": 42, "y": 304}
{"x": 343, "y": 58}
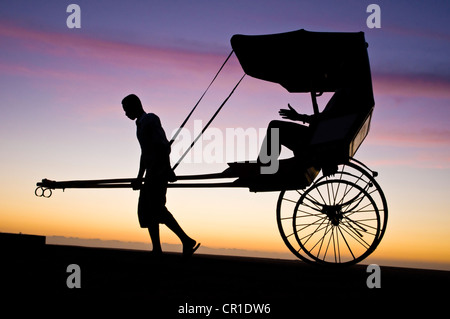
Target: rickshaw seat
{"x": 335, "y": 140}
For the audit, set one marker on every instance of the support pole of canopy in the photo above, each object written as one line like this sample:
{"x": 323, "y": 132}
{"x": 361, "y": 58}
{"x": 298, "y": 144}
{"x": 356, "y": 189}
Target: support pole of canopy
{"x": 195, "y": 106}
{"x": 207, "y": 124}
{"x": 314, "y": 96}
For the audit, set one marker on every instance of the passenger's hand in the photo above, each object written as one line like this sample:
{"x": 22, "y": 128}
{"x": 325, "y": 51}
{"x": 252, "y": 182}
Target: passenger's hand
{"x": 289, "y": 114}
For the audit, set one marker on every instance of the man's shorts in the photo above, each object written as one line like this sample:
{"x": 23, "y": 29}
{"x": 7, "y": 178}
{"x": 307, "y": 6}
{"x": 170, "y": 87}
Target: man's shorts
{"x": 152, "y": 203}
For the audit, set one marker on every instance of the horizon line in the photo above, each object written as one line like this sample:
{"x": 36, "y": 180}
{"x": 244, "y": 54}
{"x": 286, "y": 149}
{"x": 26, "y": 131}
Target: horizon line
{"x": 236, "y": 252}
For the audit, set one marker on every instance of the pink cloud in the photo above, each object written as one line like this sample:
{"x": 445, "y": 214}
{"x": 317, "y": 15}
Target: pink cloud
{"x": 418, "y": 147}
{"x": 418, "y": 137}
{"x": 411, "y": 85}
{"x": 421, "y": 160}
{"x": 119, "y": 53}
{"x": 69, "y": 60}
{"x": 420, "y": 32}
{"x": 98, "y": 52}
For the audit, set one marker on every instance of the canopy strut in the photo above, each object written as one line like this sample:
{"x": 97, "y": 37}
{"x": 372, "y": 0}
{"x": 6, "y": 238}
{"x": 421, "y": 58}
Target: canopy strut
{"x": 195, "y": 106}
{"x": 207, "y": 124}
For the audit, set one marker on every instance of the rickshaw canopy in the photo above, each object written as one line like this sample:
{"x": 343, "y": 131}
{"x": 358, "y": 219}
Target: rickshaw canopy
{"x": 305, "y": 61}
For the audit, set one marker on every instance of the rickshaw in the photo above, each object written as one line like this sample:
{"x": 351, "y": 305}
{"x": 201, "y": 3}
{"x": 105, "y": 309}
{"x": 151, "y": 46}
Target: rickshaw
{"x": 330, "y": 210}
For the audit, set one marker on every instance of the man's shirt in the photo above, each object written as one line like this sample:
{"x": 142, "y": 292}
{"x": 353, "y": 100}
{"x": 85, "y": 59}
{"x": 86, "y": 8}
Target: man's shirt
{"x": 154, "y": 144}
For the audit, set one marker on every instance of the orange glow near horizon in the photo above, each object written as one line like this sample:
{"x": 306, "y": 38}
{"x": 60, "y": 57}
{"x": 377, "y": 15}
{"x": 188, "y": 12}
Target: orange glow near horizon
{"x": 222, "y": 229}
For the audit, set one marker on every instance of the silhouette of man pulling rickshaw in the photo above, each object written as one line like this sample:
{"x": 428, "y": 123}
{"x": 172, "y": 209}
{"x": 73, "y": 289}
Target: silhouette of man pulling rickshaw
{"x": 155, "y": 164}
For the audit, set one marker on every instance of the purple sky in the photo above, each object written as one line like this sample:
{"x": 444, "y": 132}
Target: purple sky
{"x": 61, "y": 90}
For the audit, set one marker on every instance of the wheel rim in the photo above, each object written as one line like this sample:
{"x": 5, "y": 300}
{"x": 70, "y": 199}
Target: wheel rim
{"x": 285, "y": 207}
{"x": 336, "y": 222}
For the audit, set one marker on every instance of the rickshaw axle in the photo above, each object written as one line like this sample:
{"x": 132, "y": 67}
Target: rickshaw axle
{"x": 334, "y": 213}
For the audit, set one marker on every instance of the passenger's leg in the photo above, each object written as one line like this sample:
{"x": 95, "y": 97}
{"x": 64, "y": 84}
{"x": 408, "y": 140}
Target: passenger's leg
{"x": 288, "y": 134}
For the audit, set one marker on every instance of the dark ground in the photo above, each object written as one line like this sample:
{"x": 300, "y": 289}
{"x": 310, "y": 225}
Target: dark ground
{"x": 33, "y": 279}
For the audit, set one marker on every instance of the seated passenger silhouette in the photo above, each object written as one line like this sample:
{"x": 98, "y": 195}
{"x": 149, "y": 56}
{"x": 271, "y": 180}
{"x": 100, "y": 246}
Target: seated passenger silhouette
{"x": 296, "y": 136}
{"x": 155, "y": 164}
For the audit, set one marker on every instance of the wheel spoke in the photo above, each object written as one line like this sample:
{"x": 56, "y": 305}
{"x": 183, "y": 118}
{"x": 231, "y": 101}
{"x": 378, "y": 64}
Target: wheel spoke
{"x": 314, "y": 201}
{"x": 328, "y": 244}
{"x": 346, "y": 243}
{"x": 357, "y": 238}
{"x": 359, "y": 223}
{"x": 353, "y": 208}
{"x": 321, "y": 196}
{"x": 313, "y": 208}
{"x": 321, "y": 240}
{"x": 290, "y": 200}
{"x": 309, "y": 236}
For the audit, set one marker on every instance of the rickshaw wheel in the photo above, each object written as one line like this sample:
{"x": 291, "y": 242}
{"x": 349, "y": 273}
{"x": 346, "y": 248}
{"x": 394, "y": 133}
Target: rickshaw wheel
{"x": 363, "y": 177}
{"x": 336, "y": 222}
{"x": 350, "y": 174}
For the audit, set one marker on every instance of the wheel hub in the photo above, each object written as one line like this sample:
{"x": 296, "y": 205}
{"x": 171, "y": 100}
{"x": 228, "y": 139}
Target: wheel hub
{"x": 334, "y": 213}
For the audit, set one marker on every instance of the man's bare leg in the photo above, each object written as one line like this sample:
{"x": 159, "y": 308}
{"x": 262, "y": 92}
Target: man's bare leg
{"x": 154, "y": 236}
{"x": 189, "y": 244}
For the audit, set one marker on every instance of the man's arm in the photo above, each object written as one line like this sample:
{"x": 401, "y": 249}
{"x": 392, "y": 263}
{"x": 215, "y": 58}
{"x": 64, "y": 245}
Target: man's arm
{"x": 137, "y": 184}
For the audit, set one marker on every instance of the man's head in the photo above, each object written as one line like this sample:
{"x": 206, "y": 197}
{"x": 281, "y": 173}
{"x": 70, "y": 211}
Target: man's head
{"x": 132, "y": 106}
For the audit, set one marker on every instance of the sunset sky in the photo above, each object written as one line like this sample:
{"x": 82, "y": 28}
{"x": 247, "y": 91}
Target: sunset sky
{"x": 61, "y": 116}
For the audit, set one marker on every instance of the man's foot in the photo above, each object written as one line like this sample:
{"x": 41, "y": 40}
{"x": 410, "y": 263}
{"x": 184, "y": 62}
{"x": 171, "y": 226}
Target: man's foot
{"x": 190, "y": 248}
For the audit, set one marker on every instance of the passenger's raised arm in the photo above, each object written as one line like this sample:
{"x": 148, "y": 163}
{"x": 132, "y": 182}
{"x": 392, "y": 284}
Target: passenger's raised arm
{"x": 291, "y": 114}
